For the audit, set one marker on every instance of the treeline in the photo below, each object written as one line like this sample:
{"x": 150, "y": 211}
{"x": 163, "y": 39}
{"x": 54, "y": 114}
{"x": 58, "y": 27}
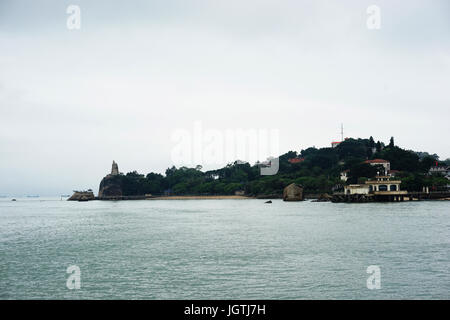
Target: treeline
{"x": 318, "y": 171}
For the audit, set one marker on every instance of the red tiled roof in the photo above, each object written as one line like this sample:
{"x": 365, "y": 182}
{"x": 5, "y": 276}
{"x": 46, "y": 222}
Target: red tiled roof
{"x": 376, "y": 161}
{"x": 296, "y": 160}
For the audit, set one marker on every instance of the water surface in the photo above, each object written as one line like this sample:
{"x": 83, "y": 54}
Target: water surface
{"x": 223, "y": 249}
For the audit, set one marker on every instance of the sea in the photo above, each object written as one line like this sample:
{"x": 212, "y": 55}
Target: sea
{"x": 223, "y": 249}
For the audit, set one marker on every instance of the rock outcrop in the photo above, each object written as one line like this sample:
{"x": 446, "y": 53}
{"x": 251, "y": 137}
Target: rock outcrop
{"x": 324, "y": 197}
{"x": 293, "y": 192}
{"x": 82, "y": 196}
{"x": 111, "y": 185}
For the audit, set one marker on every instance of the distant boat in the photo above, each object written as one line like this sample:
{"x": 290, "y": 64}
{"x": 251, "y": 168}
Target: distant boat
{"x": 13, "y": 200}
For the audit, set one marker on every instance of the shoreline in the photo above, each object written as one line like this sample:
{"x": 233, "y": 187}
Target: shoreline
{"x": 199, "y": 198}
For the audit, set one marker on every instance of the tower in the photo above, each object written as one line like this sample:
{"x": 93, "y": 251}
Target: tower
{"x": 114, "y": 169}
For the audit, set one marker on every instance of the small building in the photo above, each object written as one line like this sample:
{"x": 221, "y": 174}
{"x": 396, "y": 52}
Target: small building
{"x": 296, "y": 160}
{"x": 334, "y": 144}
{"x": 344, "y": 175}
{"x": 383, "y": 185}
{"x": 377, "y": 162}
{"x": 440, "y": 170}
{"x": 356, "y": 189}
{"x": 393, "y": 173}
{"x": 382, "y": 188}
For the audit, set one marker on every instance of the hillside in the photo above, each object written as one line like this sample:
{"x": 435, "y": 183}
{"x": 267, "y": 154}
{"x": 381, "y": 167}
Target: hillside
{"x": 318, "y": 170}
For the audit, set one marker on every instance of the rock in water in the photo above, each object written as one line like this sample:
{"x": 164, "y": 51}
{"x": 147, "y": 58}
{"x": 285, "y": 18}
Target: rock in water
{"x": 324, "y": 197}
{"x": 82, "y": 196}
{"x": 270, "y": 201}
{"x": 293, "y": 192}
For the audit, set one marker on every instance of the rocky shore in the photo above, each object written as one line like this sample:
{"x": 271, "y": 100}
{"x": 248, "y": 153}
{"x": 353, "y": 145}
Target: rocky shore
{"x": 82, "y": 196}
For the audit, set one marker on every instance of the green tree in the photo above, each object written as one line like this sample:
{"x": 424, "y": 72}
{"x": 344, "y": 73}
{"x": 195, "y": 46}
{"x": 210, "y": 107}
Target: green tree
{"x": 391, "y": 142}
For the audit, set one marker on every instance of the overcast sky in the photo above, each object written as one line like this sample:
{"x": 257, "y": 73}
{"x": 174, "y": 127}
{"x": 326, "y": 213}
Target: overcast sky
{"x": 71, "y": 101}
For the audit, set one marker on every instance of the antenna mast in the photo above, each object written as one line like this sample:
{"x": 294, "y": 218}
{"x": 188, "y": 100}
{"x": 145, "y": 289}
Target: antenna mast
{"x": 342, "y": 132}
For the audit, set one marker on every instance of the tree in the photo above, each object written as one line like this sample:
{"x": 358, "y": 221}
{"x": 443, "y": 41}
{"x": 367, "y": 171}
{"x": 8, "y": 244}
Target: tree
{"x": 371, "y": 142}
{"x": 426, "y": 163}
{"x": 378, "y": 146}
{"x": 362, "y": 170}
{"x": 391, "y": 142}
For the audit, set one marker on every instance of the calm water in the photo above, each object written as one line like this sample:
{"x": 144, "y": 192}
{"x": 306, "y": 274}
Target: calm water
{"x": 230, "y": 249}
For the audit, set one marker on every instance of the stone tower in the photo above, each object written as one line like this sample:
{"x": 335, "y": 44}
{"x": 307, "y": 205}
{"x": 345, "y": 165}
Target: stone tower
{"x": 114, "y": 169}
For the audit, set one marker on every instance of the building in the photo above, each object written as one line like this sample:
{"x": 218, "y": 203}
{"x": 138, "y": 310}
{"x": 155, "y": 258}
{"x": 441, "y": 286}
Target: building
{"x": 380, "y": 189}
{"x": 114, "y": 169}
{"x": 344, "y": 175}
{"x": 356, "y": 189}
{"x": 441, "y": 170}
{"x": 381, "y": 185}
{"x": 377, "y": 162}
{"x": 296, "y": 160}
{"x": 334, "y": 144}
{"x": 384, "y": 185}
{"x": 393, "y": 173}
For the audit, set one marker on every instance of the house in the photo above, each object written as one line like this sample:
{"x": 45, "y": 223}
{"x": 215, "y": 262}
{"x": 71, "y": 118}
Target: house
{"x": 296, "y": 160}
{"x": 356, "y": 189}
{"x": 441, "y": 170}
{"x": 334, "y": 144}
{"x": 344, "y": 175}
{"x": 393, "y": 173}
{"x": 377, "y": 162}
{"x": 384, "y": 185}
{"x": 381, "y": 185}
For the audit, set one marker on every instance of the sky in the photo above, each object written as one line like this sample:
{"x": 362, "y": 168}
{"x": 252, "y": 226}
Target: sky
{"x": 136, "y": 73}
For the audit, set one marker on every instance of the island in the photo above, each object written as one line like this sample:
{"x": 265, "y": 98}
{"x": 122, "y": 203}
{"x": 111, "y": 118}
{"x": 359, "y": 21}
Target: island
{"x": 346, "y": 168}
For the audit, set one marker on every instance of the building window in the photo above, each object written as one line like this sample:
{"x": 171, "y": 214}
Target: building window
{"x": 393, "y": 187}
{"x": 383, "y": 187}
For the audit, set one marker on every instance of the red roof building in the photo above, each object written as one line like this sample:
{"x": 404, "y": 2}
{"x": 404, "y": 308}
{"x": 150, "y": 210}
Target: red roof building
{"x": 376, "y": 161}
{"x": 296, "y": 160}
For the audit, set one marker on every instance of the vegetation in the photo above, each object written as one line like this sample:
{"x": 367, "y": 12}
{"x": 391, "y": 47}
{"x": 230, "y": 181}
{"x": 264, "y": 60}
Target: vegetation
{"x": 318, "y": 173}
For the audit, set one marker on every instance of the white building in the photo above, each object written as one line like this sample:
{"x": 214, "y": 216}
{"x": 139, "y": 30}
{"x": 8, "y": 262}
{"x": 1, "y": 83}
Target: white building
{"x": 344, "y": 175}
{"x": 356, "y": 189}
{"x": 334, "y": 144}
{"x": 377, "y": 162}
{"x": 384, "y": 184}
{"x": 381, "y": 185}
{"x": 442, "y": 170}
